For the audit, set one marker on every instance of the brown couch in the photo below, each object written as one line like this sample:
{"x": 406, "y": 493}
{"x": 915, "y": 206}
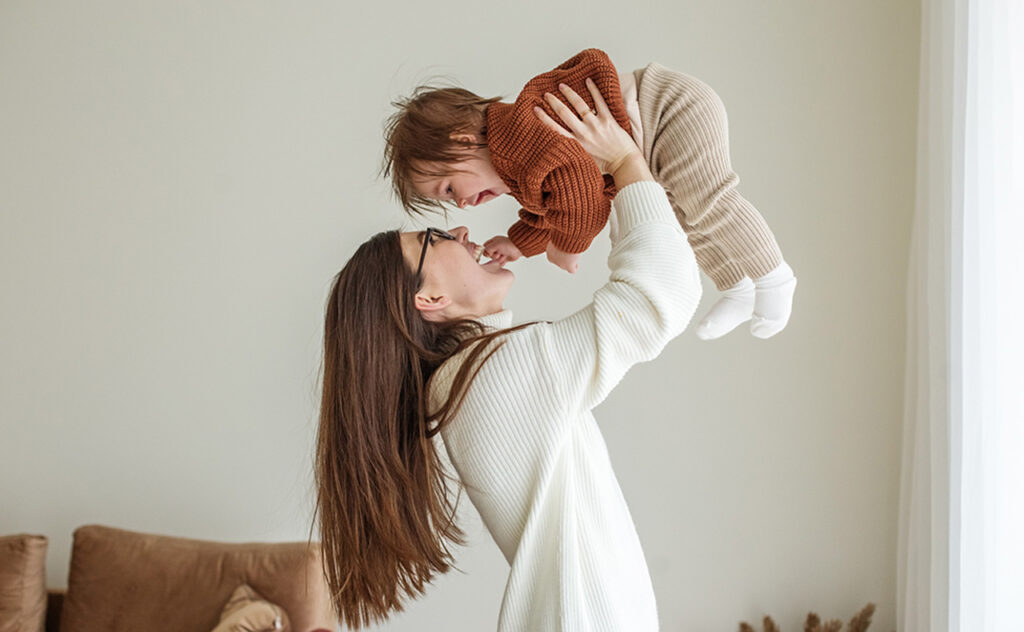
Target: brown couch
{"x": 121, "y": 580}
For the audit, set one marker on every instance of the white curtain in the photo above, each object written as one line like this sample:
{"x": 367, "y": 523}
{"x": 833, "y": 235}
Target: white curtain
{"x": 961, "y": 535}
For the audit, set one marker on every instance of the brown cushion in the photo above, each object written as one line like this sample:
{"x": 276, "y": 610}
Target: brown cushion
{"x": 121, "y": 580}
{"x": 22, "y": 583}
{"x": 246, "y": 611}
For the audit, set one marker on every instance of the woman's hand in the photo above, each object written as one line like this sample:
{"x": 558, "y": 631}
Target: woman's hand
{"x": 501, "y": 248}
{"x": 597, "y": 131}
{"x": 564, "y": 260}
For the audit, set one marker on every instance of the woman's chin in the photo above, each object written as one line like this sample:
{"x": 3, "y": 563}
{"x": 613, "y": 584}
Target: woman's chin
{"x": 500, "y": 278}
{"x": 505, "y": 274}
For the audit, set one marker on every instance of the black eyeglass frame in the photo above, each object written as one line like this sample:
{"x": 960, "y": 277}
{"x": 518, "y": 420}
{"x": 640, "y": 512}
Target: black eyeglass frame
{"x": 428, "y": 240}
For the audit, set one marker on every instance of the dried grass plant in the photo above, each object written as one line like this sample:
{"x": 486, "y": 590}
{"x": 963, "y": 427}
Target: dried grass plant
{"x": 859, "y": 623}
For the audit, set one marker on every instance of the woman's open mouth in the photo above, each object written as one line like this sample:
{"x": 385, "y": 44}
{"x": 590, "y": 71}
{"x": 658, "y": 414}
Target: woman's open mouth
{"x": 478, "y": 256}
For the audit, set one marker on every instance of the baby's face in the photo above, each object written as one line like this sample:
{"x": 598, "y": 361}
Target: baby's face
{"x": 468, "y": 183}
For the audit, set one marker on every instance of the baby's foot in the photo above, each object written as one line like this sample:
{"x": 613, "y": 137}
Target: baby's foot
{"x": 734, "y": 308}
{"x": 773, "y": 301}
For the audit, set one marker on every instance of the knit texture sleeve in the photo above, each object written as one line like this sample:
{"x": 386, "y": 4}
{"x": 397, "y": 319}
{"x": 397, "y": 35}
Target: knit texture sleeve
{"x": 576, "y": 205}
{"x": 650, "y": 297}
{"x": 574, "y": 211}
{"x": 528, "y": 237}
{"x": 573, "y": 205}
{"x": 561, "y": 189}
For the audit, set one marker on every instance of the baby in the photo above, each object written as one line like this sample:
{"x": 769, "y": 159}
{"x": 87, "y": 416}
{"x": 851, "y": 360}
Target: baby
{"x": 450, "y": 146}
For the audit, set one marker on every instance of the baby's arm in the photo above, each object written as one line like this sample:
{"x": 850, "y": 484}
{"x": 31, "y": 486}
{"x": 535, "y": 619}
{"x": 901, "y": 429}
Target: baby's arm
{"x": 529, "y": 234}
{"x": 576, "y": 207}
{"x": 575, "y": 210}
{"x": 505, "y": 250}
{"x": 501, "y": 248}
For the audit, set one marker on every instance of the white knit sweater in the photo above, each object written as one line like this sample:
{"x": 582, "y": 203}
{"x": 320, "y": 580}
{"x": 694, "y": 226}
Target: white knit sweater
{"x": 530, "y": 454}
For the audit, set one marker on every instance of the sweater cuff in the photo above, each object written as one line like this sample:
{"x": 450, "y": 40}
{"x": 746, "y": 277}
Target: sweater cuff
{"x": 640, "y": 203}
{"x": 529, "y": 240}
{"x": 568, "y": 244}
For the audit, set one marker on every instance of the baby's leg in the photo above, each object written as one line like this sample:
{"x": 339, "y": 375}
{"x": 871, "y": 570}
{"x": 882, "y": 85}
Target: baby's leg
{"x": 686, "y": 141}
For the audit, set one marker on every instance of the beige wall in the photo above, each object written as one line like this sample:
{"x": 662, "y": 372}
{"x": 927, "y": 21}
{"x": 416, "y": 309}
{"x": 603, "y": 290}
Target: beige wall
{"x": 179, "y": 181}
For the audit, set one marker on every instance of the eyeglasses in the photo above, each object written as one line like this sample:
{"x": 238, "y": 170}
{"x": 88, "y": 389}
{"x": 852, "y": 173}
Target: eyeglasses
{"x": 428, "y": 240}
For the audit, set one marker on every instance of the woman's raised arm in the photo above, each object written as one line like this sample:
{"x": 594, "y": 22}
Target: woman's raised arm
{"x": 654, "y": 285}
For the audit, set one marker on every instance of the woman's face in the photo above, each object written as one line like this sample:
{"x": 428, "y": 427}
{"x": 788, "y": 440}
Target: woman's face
{"x": 455, "y": 285}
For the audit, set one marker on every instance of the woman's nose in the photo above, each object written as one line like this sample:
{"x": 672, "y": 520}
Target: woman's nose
{"x": 461, "y": 233}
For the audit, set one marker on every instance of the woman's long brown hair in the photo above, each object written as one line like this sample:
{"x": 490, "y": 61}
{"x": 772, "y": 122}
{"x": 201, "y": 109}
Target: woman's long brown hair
{"x": 385, "y": 509}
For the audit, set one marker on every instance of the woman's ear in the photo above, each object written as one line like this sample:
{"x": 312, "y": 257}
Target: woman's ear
{"x": 431, "y": 305}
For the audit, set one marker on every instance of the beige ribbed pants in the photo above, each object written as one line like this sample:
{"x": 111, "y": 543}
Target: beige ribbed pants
{"x": 686, "y": 143}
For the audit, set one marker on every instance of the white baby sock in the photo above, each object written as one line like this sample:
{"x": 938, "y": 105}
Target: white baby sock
{"x": 773, "y": 301}
{"x": 734, "y": 308}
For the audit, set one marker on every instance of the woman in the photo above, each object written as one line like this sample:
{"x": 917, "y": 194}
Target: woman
{"x": 417, "y": 342}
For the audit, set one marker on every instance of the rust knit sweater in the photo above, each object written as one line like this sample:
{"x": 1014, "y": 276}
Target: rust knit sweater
{"x": 565, "y": 198}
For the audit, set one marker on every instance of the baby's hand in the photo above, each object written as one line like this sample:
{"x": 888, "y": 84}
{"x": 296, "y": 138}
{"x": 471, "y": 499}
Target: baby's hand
{"x": 562, "y": 259}
{"x": 501, "y": 249}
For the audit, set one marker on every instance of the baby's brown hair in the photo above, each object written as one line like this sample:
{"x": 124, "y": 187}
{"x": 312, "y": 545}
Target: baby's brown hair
{"x": 420, "y": 134}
